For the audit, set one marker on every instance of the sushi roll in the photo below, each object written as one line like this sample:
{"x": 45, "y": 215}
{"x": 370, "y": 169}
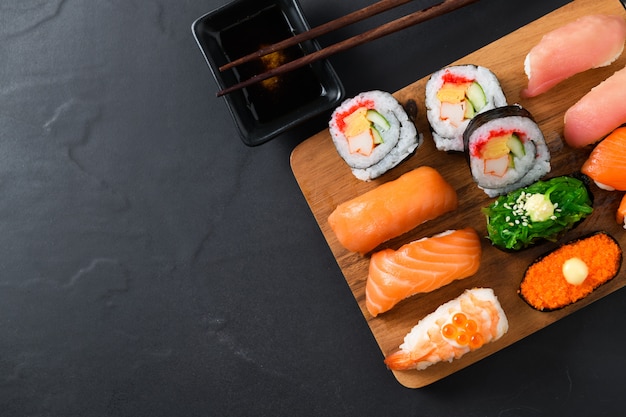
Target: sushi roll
{"x": 506, "y": 150}
{"x": 455, "y": 328}
{"x": 373, "y": 133}
{"x": 542, "y": 211}
{"x": 454, "y": 95}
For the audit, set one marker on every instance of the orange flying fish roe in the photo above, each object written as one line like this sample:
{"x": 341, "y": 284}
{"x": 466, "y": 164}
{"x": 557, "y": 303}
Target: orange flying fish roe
{"x": 545, "y": 288}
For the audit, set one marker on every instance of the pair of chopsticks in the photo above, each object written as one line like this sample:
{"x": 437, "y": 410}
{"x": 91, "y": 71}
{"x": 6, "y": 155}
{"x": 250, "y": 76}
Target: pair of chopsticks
{"x": 404, "y": 22}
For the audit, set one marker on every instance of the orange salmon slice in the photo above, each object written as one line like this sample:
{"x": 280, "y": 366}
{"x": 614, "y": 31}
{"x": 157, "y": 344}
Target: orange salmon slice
{"x": 392, "y": 209}
{"x": 420, "y": 266}
{"x": 606, "y": 164}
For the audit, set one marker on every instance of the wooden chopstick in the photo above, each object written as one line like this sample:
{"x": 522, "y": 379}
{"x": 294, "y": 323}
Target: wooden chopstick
{"x": 432, "y": 12}
{"x": 339, "y": 23}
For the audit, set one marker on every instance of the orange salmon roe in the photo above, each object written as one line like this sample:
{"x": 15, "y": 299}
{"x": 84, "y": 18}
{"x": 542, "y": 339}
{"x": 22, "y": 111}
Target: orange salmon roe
{"x": 545, "y": 288}
{"x": 463, "y": 331}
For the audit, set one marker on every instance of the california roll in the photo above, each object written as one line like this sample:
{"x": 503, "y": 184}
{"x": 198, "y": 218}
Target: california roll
{"x": 373, "y": 133}
{"x": 454, "y": 95}
{"x": 506, "y": 150}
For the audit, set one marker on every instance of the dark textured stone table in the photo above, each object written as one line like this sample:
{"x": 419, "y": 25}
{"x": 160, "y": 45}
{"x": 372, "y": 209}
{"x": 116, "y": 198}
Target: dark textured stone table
{"x": 153, "y": 265}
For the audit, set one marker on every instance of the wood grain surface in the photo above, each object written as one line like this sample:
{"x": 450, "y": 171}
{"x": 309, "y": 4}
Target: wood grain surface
{"x": 326, "y": 181}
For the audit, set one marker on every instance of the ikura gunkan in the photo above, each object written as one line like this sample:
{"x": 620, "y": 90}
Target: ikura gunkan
{"x": 373, "y": 133}
{"x": 506, "y": 150}
{"x": 454, "y": 95}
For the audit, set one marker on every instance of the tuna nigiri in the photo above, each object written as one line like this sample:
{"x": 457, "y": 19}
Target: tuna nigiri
{"x": 606, "y": 164}
{"x": 589, "y": 42}
{"x": 392, "y": 209}
{"x": 597, "y": 113}
{"x": 420, "y": 266}
{"x": 457, "y": 327}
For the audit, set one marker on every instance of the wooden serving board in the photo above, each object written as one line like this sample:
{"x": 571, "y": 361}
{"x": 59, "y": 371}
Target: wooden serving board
{"x": 326, "y": 181}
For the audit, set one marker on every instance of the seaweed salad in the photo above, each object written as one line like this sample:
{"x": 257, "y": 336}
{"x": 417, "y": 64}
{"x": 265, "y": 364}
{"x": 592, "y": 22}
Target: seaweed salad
{"x": 541, "y": 211}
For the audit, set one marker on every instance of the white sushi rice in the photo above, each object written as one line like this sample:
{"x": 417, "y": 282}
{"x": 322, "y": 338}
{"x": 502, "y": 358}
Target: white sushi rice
{"x": 528, "y": 169}
{"x": 448, "y": 137}
{"x": 433, "y": 322}
{"x": 399, "y": 141}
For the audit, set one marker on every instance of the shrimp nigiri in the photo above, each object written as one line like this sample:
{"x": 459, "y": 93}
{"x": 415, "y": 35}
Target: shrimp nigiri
{"x": 457, "y": 327}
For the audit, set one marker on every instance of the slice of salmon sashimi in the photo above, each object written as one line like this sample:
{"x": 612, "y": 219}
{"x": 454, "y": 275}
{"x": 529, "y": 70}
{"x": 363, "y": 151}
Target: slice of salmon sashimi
{"x": 420, "y": 266}
{"x": 392, "y": 209}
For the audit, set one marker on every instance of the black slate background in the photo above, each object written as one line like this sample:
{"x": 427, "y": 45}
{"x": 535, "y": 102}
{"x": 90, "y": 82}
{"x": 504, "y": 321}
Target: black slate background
{"x": 153, "y": 265}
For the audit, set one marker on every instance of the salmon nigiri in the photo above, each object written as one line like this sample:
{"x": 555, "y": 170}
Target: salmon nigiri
{"x": 461, "y": 325}
{"x": 591, "y": 41}
{"x": 606, "y": 164}
{"x": 391, "y": 209}
{"x": 597, "y": 113}
{"x": 420, "y": 266}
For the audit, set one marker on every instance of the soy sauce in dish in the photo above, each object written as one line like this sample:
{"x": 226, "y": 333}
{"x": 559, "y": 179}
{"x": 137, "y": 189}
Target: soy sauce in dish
{"x": 278, "y": 95}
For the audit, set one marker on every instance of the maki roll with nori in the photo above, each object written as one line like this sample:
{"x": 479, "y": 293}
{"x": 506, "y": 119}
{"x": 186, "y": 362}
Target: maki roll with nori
{"x": 373, "y": 133}
{"x": 542, "y": 211}
{"x": 506, "y": 150}
{"x": 454, "y": 95}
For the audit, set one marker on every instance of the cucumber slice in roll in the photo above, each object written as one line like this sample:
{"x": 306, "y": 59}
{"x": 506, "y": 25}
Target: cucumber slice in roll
{"x": 378, "y": 119}
{"x": 476, "y": 96}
